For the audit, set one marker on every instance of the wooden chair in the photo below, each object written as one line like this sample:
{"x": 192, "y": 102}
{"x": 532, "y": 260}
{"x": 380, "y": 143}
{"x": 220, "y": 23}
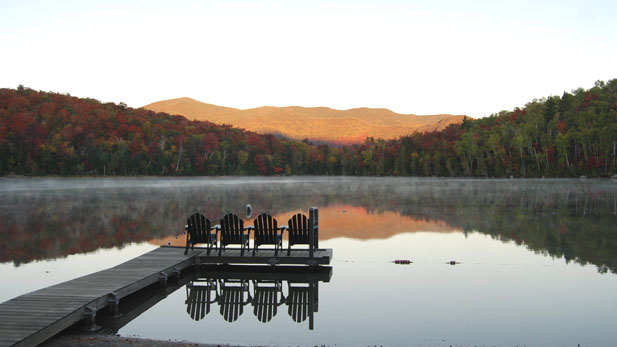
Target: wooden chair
{"x": 234, "y": 232}
{"x": 232, "y": 298}
{"x": 266, "y": 299}
{"x": 267, "y": 232}
{"x": 200, "y": 294}
{"x": 199, "y": 231}
{"x": 299, "y": 231}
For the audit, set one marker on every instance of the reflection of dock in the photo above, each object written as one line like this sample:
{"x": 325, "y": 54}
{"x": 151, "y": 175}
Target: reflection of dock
{"x": 229, "y": 287}
{"x": 32, "y": 318}
{"x": 285, "y": 273}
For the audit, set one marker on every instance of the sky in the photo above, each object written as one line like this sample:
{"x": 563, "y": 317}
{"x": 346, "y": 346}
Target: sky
{"x": 415, "y": 57}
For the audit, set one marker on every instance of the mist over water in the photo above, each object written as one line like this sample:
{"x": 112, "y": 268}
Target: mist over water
{"x": 67, "y": 216}
{"x": 536, "y": 259}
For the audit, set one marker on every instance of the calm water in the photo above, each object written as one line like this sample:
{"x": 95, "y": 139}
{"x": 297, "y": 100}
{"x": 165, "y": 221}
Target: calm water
{"x": 536, "y": 259}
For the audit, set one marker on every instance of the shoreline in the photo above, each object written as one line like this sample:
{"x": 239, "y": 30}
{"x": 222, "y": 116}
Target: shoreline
{"x": 81, "y": 340}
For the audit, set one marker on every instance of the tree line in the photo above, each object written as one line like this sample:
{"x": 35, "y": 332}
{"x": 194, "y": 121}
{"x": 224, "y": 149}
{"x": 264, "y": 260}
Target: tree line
{"x": 44, "y": 133}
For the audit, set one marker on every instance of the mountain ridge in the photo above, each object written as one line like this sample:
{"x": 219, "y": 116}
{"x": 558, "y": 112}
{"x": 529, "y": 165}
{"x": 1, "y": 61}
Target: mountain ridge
{"x": 314, "y": 123}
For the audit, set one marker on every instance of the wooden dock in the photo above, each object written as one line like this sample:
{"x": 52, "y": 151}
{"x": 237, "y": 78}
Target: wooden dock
{"x": 32, "y": 318}
{"x": 267, "y": 257}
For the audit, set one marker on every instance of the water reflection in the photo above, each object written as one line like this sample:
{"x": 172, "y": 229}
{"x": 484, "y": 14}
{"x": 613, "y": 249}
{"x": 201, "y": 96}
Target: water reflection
{"x": 260, "y": 288}
{"x": 46, "y": 219}
{"x": 228, "y": 290}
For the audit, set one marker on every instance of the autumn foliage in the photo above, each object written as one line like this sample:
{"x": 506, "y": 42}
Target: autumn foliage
{"x": 45, "y": 133}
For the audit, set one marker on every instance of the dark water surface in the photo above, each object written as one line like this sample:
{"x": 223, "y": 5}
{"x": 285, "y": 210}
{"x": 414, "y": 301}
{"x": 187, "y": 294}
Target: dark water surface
{"x": 535, "y": 259}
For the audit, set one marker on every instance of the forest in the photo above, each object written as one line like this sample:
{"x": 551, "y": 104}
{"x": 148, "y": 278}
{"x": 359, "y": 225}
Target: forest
{"x": 44, "y": 133}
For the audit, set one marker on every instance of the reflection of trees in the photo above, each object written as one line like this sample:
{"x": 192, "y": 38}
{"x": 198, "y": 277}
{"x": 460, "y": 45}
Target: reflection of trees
{"x": 582, "y": 239}
{"x": 569, "y": 218}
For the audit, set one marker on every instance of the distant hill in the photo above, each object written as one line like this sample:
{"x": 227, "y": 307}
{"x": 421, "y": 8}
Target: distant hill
{"x": 315, "y": 123}
{"x": 43, "y": 133}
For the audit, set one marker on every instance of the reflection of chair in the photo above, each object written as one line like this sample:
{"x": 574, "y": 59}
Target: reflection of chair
{"x": 266, "y": 299}
{"x": 298, "y": 302}
{"x": 298, "y": 227}
{"x": 302, "y": 301}
{"x": 233, "y": 232}
{"x": 231, "y": 298}
{"x": 267, "y": 232}
{"x": 199, "y": 295}
{"x": 198, "y": 231}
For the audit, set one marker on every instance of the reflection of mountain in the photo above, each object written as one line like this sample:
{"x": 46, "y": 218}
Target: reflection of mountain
{"x": 355, "y": 222}
{"x": 570, "y": 218}
{"x": 315, "y": 123}
{"x": 348, "y": 221}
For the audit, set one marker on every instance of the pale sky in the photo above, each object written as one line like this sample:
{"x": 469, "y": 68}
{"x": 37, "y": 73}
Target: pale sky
{"x": 421, "y": 57}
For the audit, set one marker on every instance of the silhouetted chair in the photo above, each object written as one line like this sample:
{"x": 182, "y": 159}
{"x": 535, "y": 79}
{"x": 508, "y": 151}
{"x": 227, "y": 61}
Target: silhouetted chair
{"x": 200, "y": 294}
{"x": 302, "y": 301}
{"x": 267, "y": 232}
{"x": 234, "y": 232}
{"x": 298, "y": 231}
{"x": 199, "y": 231}
{"x": 266, "y": 299}
{"x": 232, "y": 298}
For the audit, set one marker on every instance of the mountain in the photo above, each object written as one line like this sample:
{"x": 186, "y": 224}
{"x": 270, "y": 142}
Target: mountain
{"x": 43, "y": 133}
{"x": 314, "y": 123}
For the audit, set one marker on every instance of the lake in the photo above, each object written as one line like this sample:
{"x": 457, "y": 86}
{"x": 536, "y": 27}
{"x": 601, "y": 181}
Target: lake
{"x": 535, "y": 260}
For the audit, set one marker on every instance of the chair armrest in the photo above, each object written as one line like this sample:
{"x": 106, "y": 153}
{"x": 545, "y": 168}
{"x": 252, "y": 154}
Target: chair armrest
{"x": 250, "y": 227}
{"x": 217, "y": 227}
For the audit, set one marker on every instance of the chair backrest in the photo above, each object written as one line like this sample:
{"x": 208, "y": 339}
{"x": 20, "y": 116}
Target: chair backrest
{"x": 298, "y": 303}
{"x": 198, "y": 228}
{"x": 199, "y": 298}
{"x": 232, "y": 300}
{"x": 265, "y": 229}
{"x": 232, "y": 229}
{"x": 298, "y": 229}
{"x": 265, "y": 300}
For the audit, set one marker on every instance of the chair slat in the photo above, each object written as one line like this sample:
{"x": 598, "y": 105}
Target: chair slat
{"x": 233, "y": 232}
{"x": 266, "y": 233}
{"x": 199, "y": 230}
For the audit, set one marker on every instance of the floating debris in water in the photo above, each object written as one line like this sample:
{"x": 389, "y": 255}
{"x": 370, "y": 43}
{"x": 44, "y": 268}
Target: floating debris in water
{"x": 453, "y": 262}
{"x": 403, "y": 261}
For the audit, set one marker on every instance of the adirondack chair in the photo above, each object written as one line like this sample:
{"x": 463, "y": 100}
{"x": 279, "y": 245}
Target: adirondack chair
{"x": 232, "y": 298}
{"x": 267, "y": 232}
{"x": 301, "y": 301}
{"x": 200, "y": 294}
{"x": 266, "y": 299}
{"x": 199, "y": 231}
{"x": 234, "y": 232}
{"x": 299, "y": 231}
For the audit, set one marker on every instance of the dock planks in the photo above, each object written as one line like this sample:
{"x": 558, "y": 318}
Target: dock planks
{"x": 32, "y": 318}
{"x": 266, "y": 256}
